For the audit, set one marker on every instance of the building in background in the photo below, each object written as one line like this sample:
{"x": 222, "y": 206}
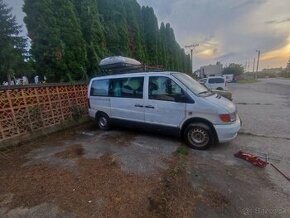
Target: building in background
{"x": 210, "y": 70}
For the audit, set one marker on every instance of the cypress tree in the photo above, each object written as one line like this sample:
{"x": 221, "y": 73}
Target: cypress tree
{"x": 92, "y": 32}
{"x": 12, "y": 45}
{"x": 150, "y": 30}
{"x": 57, "y": 43}
{"x": 135, "y": 34}
{"x": 113, "y": 15}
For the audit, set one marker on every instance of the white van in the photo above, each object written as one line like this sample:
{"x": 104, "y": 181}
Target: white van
{"x": 214, "y": 82}
{"x": 164, "y": 101}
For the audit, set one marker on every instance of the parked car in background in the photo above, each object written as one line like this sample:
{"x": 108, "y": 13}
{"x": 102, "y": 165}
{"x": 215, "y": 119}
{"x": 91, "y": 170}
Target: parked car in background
{"x": 169, "y": 101}
{"x": 214, "y": 82}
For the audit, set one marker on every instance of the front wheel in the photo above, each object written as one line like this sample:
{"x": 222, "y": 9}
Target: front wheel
{"x": 103, "y": 122}
{"x": 199, "y": 136}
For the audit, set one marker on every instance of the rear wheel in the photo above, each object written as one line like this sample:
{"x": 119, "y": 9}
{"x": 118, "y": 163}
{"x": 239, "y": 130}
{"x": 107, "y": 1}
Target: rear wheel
{"x": 199, "y": 136}
{"x": 103, "y": 121}
{"x": 220, "y": 88}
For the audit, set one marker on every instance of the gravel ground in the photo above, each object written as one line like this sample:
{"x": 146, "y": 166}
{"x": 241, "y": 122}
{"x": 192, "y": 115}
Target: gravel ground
{"x": 84, "y": 172}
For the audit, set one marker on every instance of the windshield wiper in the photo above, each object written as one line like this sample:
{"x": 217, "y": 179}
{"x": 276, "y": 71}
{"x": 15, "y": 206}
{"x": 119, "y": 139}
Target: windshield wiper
{"x": 203, "y": 92}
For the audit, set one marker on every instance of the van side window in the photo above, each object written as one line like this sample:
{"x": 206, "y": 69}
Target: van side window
{"x": 127, "y": 87}
{"x": 100, "y": 88}
{"x": 163, "y": 88}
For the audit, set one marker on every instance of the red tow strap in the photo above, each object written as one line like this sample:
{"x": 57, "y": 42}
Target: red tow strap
{"x": 251, "y": 159}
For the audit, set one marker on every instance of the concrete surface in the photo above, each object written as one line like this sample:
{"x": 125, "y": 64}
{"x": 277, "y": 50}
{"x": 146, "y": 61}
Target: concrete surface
{"x": 248, "y": 191}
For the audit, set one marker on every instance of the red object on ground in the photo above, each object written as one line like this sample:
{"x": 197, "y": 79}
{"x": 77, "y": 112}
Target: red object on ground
{"x": 251, "y": 159}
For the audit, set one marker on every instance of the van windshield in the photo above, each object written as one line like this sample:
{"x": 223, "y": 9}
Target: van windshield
{"x": 192, "y": 84}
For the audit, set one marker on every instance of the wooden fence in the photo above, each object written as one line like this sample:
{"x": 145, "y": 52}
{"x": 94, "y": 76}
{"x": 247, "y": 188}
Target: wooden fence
{"x": 24, "y": 110}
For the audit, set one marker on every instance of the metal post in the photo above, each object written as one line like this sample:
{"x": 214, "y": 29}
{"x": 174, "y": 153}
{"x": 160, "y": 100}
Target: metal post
{"x": 254, "y": 64}
{"x": 191, "y": 52}
{"x": 258, "y": 61}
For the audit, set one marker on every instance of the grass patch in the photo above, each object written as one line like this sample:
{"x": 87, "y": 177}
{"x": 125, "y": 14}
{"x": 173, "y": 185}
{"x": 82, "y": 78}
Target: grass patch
{"x": 182, "y": 150}
{"x": 245, "y": 81}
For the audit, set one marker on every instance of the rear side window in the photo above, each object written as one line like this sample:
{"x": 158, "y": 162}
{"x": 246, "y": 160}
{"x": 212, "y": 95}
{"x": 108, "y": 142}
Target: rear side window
{"x": 216, "y": 80}
{"x": 100, "y": 88}
{"x": 127, "y": 87}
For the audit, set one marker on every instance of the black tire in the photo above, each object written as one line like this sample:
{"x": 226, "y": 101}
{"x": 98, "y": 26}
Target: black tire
{"x": 199, "y": 136}
{"x": 220, "y": 89}
{"x": 103, "y": 121}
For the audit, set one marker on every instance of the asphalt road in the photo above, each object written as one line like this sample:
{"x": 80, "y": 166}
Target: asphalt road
{"x": 246, "y": 191}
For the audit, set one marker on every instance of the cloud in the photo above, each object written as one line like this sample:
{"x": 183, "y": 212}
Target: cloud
{"x": 277, "y": 53}
{"x": 278, "y": 21}
{"x": 228, "y": 30}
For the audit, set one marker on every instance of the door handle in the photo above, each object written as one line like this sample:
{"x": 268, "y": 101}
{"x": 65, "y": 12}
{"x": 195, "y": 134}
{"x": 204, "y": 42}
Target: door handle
{"x": 138, "y": 105}
{"x": 150, "y": 107}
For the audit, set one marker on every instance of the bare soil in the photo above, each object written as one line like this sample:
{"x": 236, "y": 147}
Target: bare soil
{"x": 98, "y": 188}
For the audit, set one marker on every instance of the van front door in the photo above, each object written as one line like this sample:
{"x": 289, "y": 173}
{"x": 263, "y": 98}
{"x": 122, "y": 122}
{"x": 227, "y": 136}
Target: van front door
{"x": 166, "y": 102}
{"x": 127, "y": 101}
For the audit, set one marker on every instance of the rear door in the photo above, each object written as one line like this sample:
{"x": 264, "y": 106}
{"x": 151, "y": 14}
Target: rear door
{"x": 165, "y": 104}
{"x": 127, "y": 98}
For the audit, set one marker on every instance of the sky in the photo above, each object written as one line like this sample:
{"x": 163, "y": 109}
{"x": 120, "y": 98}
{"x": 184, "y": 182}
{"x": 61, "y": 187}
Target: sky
{"x": 226, "y": 30}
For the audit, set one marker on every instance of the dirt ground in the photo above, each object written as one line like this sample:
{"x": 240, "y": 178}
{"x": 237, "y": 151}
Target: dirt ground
{"x": 36, "y": 179}
{"x": 85, "y": 172}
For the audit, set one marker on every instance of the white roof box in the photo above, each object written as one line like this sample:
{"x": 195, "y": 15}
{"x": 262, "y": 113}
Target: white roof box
{"x": 119, "y": 60}
{"x": 119, "y": 64}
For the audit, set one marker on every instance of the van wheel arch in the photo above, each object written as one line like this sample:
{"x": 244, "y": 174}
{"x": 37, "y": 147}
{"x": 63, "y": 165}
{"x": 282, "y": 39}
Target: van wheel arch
{"x": 200, "y": 120}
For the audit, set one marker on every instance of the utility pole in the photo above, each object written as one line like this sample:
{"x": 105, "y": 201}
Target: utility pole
{"x": 258, "y": 60}
{"x": 246, "y": 66}
{"x": 191, "y": 47}
{"x": 254, "y": 65}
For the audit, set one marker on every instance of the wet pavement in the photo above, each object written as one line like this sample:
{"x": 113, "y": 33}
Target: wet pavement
{"x": 225, "y": 186}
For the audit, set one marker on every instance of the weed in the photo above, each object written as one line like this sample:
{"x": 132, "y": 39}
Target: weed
{"x": 182, "y": 150}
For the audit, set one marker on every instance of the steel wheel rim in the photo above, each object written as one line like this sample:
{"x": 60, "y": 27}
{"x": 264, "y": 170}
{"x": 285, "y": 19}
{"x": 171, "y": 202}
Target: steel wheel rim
{"x": 198, "y": 136}
{"x": 103, "y": 122}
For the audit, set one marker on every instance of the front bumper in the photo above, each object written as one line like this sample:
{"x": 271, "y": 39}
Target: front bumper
{"x": 228, "y": 132}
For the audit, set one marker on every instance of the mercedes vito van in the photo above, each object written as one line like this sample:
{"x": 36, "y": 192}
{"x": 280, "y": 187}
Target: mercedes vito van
{"x": 164, "y": 100}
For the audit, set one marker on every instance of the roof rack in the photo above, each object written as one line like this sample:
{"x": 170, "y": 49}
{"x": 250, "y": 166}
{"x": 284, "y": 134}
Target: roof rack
{"x": 122, "y": 65}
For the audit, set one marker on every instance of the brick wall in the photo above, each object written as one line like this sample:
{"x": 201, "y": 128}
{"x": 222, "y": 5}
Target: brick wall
{"x": 24, "y": 110}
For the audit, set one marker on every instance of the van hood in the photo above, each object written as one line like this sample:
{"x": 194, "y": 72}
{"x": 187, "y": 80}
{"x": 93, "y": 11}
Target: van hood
{"x": 221, "y": 102}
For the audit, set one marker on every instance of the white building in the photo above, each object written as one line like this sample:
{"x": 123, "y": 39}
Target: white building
{"x": 210, "y": 70}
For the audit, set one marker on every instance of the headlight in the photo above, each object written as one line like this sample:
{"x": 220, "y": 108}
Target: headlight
{"x": 228, "y": 118}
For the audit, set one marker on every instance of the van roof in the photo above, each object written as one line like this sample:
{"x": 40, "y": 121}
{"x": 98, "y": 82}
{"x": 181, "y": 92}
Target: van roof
{"x": 135, "y": 74}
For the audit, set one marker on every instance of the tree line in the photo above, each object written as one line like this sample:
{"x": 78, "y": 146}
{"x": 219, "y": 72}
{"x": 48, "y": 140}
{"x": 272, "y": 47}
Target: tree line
{"x": 70, "y": 37}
